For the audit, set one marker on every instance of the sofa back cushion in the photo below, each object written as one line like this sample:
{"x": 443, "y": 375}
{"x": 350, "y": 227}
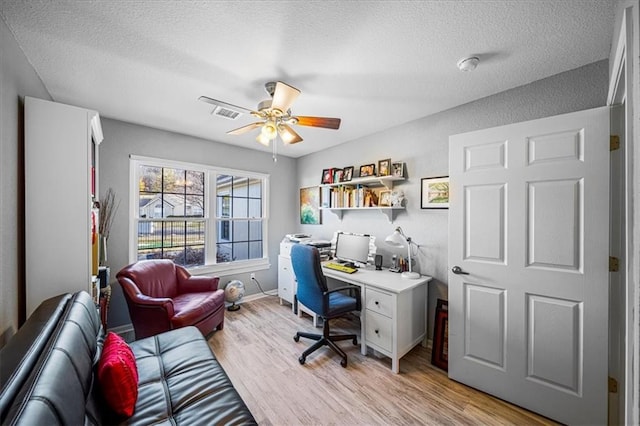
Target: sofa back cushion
{"x": 59, "y": 389}
{"x": 155, "y": 278}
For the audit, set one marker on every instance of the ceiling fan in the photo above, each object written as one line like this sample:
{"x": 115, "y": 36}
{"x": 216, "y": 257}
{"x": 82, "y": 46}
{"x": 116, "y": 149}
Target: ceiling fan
{"x": 275, "y": 115}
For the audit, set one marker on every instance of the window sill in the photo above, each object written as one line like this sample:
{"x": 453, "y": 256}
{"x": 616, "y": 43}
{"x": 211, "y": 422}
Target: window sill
{"x": 226, "y": 269}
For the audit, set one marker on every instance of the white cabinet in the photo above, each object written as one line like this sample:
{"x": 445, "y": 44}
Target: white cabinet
{"x": 61, "y": 181}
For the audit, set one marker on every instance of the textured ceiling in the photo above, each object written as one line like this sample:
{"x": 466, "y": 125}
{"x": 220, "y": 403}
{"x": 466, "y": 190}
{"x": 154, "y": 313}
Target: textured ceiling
{"x": 375, "y": 64}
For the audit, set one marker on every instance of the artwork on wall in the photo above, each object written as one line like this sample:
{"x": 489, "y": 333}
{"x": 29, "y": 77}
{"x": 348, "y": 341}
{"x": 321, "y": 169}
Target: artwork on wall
{"x": 327, "y": 176}
{"x": 310, "y": 213}
{"x": 434, "y": 193}
{"x": 348, "y": 174}
{"x": 440, "y": 350}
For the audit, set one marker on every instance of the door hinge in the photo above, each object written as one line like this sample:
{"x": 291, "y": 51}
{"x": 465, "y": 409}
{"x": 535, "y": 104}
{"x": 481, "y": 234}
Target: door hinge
{"x": 614, "y": 264}
{"x": 613, "y": 385}
{"x": 614, "y": 143}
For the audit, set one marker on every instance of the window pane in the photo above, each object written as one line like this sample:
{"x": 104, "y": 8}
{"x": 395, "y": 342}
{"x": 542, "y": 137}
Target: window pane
{"x": 224, "y": 231}
{"x": 255, "y": 188}
{"x": 224, "y": 253}
{"x": 150, "y": 179}
{"x": 255, "y": 250}
{"x": 255, "y": 207}
{"x": 240, "y": 207}
{"x": 240, "y": 251}
{"x": 255, "y": 230}
{"x": 195, "y": 206}
{"x": 240, "y": 186}
{"x": 195, "y": 182}
{"x": 240, "y": 230}
{"x": 149, "y": 240}
{"x": 173, "y": 180}
{"x": 223, "y": 185}
{"x": 173, "y": 205}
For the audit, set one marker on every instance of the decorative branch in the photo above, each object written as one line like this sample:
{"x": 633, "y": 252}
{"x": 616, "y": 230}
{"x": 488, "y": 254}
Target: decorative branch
{"x": 108, "y": 209}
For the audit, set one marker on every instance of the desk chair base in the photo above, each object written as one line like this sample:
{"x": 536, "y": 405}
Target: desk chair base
{"x": 325, "y": 339}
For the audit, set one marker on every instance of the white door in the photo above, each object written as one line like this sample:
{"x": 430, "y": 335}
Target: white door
{"x": 528, "y": 233}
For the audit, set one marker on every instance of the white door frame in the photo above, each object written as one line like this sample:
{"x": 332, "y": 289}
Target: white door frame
{"x": 622, "y": 90}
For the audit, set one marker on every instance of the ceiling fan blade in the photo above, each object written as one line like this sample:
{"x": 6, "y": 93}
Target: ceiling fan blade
{"x": 284, "y": 96}
{"x": 244, "y": 129}
{"x": 222, "y": 104}
{"x": 288, "y": 135}
{"x": 326, "y": 122}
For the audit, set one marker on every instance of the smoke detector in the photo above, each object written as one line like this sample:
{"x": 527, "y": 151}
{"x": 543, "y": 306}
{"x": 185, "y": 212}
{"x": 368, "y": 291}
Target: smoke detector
{"x": 468, "y": 64}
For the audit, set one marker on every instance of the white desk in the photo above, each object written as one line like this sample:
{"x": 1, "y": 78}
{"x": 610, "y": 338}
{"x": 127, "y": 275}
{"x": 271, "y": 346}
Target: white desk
{"x": 394, "y": 311}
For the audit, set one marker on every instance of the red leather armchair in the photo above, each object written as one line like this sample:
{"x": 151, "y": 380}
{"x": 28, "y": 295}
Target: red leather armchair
{"x": 162, "y": 296}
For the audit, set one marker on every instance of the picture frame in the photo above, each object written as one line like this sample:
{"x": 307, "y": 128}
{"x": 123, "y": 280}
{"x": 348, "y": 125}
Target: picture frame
{"x": 367, "y": 170}
{"x": 397, "y": 169}
{"x": 384, "y": 198}
{"x": 327, "y": 176}
{"x": 434, "y": 193}
{"x": 310, "y": 213}
{"x": 337, "y": 175}
{"x": 348, "y": 174}
{"x": 384, "y": 167}
{"x": 440, "y": 348}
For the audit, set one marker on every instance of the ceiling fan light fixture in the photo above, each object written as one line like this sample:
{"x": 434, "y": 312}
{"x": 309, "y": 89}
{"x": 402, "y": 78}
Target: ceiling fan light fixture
{"x": 263, "y": 139}
{"x": 269, "y": 130}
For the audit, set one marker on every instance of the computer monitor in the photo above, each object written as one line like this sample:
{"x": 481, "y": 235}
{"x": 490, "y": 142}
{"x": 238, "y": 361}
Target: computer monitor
{"x": 352, "y": 248}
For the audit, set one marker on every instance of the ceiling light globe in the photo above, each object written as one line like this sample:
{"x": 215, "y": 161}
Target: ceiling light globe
{"x": 269, "y": 130}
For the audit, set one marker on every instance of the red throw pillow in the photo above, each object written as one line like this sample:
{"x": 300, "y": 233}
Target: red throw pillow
{"x": 118, "y": 375}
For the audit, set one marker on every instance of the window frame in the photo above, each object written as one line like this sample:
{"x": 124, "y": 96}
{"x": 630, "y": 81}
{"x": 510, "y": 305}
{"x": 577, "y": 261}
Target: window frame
{"x": 210, "y": 217}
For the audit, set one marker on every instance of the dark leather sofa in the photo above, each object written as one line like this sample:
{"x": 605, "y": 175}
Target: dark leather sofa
{"x": 48, "y": 374}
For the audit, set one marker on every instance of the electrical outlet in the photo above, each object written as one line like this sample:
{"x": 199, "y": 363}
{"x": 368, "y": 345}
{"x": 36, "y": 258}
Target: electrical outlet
{"x": 253, "y": 275}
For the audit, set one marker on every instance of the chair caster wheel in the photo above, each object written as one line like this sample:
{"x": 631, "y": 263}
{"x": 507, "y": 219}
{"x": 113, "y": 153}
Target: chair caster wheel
{"x": 296, "y": 338}
{"x": 355, "y": 341}
{"x": 302, "y": 360}
{"x": 343, "y": 363}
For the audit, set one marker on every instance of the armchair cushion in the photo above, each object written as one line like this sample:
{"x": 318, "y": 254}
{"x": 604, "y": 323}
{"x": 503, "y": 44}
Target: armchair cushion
{"x": 191, "y": 307}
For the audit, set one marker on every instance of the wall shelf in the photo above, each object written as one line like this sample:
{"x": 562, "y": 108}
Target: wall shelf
{"x": 389, "y": 212}
{"x": 386, "y": 181}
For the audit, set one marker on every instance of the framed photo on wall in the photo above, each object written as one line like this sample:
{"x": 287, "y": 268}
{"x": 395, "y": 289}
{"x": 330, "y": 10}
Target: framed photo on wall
{"x": 397, "y": 169}
{"x": 310, "y": 213}
{"x": 440, "y": 349}
{"x": 434, "y": 193}
{"x": 348, "y": 174}
{"x": 368, "y": 170}
{"x": 327, "y": 176}
{"x": 384, "y": 199}
{"x": 384, "y": 167}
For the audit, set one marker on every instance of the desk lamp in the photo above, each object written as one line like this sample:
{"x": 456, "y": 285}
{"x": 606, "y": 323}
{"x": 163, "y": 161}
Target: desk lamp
{"x": 399, "y": 239}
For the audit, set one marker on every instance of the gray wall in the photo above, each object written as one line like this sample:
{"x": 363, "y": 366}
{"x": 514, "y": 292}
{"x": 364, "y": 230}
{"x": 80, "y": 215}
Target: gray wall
{"x": 423, "y": 146}
{"x": 17, "y": 80}
{"x": 123, "y": 139}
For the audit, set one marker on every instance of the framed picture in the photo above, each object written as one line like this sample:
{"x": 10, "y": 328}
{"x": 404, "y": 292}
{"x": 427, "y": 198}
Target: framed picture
{"x": 310, "y": 213}
{"x": 368, "y": 170}
{"x": 440, "y": 349}
{"x": 397, "y": 169}
{"x": 348, "y": 174}
{"x": 337, "y": 175}
{"x": 434, "y": 193}
{"x": 384, "y": 199}
{"x": 327, "y": 176}
{"x": 384, "y": 167}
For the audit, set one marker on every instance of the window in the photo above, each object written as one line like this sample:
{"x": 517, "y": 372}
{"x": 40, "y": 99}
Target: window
{"x": 197, "y": 215}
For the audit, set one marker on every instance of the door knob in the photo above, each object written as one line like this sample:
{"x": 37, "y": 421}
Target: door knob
{"x": 458, "y": 271}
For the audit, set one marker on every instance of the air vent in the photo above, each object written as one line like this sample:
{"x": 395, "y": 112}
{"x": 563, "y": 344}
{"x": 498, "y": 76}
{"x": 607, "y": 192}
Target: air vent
{"x": 226, "y": 113}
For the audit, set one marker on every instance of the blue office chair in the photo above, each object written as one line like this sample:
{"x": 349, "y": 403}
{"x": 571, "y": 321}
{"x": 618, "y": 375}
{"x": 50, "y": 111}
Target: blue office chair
{"x": 327, "y": 304}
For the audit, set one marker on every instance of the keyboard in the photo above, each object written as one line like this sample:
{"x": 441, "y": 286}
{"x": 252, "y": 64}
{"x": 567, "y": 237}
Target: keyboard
{"x": 340, "y": 267}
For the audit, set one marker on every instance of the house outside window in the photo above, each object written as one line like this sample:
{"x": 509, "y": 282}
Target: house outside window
{"x": 199, "y": 216}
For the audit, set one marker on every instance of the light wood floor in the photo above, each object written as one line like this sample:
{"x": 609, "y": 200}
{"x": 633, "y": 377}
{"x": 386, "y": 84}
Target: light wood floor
{"x": 257, "y": 350}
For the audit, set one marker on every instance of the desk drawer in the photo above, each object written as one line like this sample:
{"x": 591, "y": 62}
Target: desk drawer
{"x": 379, "y": 302}
{"x": 378, "y": 330}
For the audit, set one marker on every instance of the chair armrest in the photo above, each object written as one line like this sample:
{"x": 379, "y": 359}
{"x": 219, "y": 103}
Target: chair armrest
{"x": 197, "y": 284}
{"x": 153, "y": 302}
